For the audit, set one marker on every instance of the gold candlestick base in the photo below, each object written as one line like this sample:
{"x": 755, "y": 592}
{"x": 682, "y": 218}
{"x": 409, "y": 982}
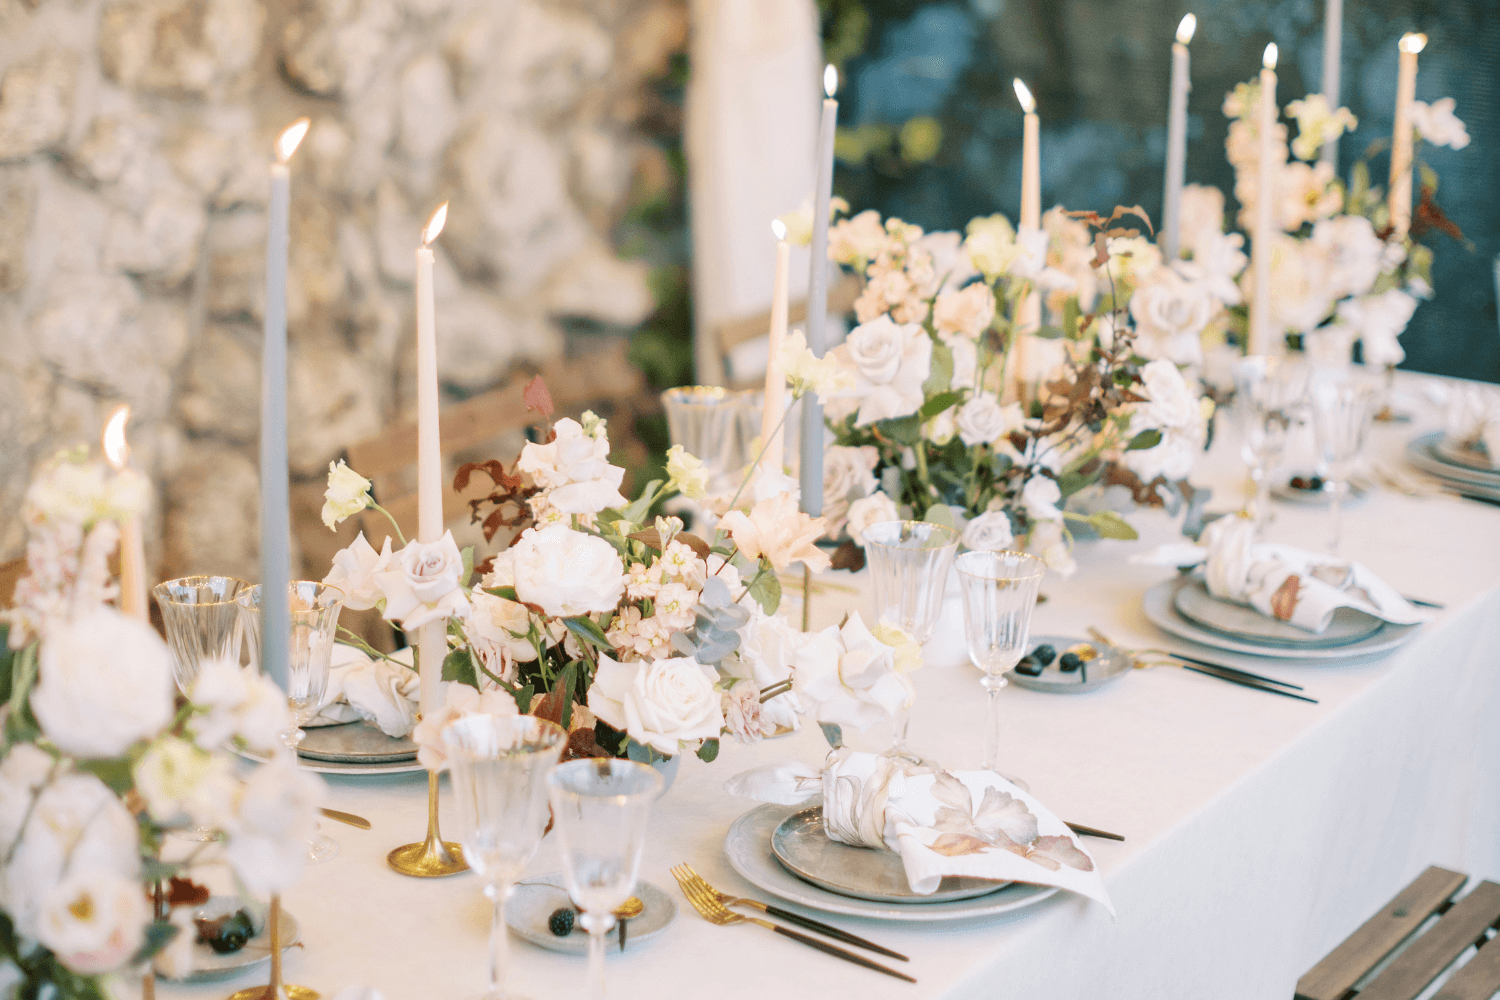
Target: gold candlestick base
{"x": 433, "y": 857}
{"x": 276, "y": 989}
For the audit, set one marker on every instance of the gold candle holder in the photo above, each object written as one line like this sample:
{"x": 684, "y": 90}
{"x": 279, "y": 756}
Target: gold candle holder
{"x": 433, "y": 857}
{"x": 276, "y": 989}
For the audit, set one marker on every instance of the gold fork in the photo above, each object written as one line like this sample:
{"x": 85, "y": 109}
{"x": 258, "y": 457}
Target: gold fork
{"x": 827, "y": 930}
{"x": 717, "y": 913}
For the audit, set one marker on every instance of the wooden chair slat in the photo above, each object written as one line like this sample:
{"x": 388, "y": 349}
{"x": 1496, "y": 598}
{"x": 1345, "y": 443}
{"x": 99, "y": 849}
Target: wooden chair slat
{"x": 1415, "y": 969}
{"x": 10, "y": 574}
{"x": 1479, "y": 979}
{"x": 735, "y": 332}
{"x": 1336, "y": 974}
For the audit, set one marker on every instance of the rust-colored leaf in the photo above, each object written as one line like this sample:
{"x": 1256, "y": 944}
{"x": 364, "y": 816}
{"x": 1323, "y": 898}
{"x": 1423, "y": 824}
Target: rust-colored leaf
{"x": 1284, "y": 601}
{"x": 185, "y": 892}
{"x": 648, "y": 537}
{"x": 849, "y": 556}
{"x": 538, "y": 398}
{"x": 581, "y": 744}
{"x": 1429, "y": 217}
{"x": 482, "y": 569}
{"x": 550, "y": 707}
{"x": 699, "y": 546}
{"x": 1121, "y": 232}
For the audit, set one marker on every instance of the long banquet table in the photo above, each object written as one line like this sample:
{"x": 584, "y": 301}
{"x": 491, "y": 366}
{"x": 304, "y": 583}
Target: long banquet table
{"x": 1259, "y": 830}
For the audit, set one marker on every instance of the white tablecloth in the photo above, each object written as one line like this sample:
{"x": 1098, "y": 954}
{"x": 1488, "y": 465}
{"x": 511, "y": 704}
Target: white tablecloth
{"x": 1260, "y": 830}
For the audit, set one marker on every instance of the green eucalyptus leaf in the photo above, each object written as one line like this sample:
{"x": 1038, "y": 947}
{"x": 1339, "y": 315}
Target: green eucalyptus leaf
{"x": 833, "y": 734}
{"x": 159, "y": 934}
{"x": 509, "y": 593}
{"x": 1112, "y": 525}
{"x": 468, "y": 556}
{"x": 1148, "y": 438}
{"x": 708, "y": 751}
{"x": 937, "y": 404}
{"x": 767, "y": 592}
{"x": 1047, "y": 333}
{"x": 902, "y": 430}
{"x": 459, "y": 666}
{"x": 587, "y": 630}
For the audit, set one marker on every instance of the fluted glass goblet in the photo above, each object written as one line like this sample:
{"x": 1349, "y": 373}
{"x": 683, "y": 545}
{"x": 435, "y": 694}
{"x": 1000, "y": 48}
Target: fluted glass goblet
{"x": 999, "y": 593}
{"x": 498, "y": 766}
{"x": 1341, "y": 415}
{"x": 600, "y": 806}
{"x": 1270, "y": 395}
{"x": 909, "y": 563}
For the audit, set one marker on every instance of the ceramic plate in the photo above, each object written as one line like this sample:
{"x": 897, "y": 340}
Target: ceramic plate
{"x": 800, "y": 843}
{"x": 359, "y": 742}
{"x": 332, "y": 767}
{"x": 534, "y": 899}
{"x": 1109, "y": 666}
{"x": 1448, "y": 450}
{"x": 1358, "y": 493}
{"x": 1194, "y": 603}
{"x": 1421, "y": 452}
{"x": 1158, "y": 604}
{"x": 209, "y": 964}
{"x": 748, "y": 846}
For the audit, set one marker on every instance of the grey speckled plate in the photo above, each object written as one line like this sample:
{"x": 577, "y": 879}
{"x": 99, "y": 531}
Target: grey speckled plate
{"x": 355, "y": 743}
{"x": 1197, "y": 605}
{"x": 1448, "y": 450}
{"x": 802, "y": 845}
{"x": 748, "y": 847}
{"x": 534, "y": 899}
{"x": 210, "y": 965}
{"x": 1421, "y": 452}
{"x": 1108, "y": 666}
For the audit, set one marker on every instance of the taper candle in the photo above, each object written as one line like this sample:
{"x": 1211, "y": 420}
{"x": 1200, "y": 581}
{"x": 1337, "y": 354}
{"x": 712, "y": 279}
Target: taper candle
{"x": 275, "y": 504}
{"x": 432, "y": 641}
{"x": 1399, "y": 198}
{"x": 1171, "y": 212}
{"x": 1262, "y": 240}
{"x": 771, "y": 431}
{"x": 810, "y": 466}
{"x": 1333, "y": 54}
{"x": 1029, "y": 310}
{"x": 132, "y": 546}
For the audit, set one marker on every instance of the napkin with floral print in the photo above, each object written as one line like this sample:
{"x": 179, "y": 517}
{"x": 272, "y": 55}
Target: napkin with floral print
{"x": 942, "y": 823}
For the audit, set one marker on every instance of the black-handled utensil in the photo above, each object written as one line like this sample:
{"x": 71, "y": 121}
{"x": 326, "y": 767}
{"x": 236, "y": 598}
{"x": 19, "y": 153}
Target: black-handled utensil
{"x": 1242, "y": 682}
{"x": 837, "y": 952}
{"x": 831, "y": 931}
{"x": 1088, "y": 831}
{"x": 1247, "y": 675}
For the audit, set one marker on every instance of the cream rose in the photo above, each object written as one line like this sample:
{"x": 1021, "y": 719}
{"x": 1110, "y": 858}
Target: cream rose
{"x": 348, "y": 493}
{"x": 567, "y": 572}
{"x": 989, "y": 532}
{"x": 965, "y": 313}
{"x": 425, "y": 585}
{"x": 777, "y": 530}
{"x": 659, "y": 703}
{"x": 574, "y": 468}
{"x": 355, "y": 570}
{"x": 873, "y": 509}
{"x": 105, "y": 681}
{"x": 93, "y": 921}
{"x": 497, "y": 631}
{"x": 888, "y": 362}
{"x": 1177, "y": 412}
{"x": 1169, "y": 314}
{"x": 848, "y": 677}
{"x": 848, "y": 474}
{"x": 1040, "y": 497}
{"x": 982, "y": 420}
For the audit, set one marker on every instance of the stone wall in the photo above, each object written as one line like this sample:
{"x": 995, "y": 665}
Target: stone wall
{"x": 134, "y": 141}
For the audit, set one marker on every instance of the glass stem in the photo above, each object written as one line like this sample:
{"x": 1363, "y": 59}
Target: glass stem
{"x": 597, "y": 929}
{"x": 991, "y": 761}
{"x": 1336, "y": 514}
{"x": 1262, "y": 502}
{"x": 499, "y": 943}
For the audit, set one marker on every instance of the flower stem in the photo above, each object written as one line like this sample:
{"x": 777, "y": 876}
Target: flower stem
{"x": 391, "y": 519}
{"x": 368, "y": 649}
{"x": 775, "y": 690}
{"x": 750, "y": 472}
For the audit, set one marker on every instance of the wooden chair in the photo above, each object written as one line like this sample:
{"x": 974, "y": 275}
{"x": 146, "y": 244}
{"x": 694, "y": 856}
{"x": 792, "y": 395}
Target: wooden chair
{"x": 1407, "y": 957}
{"x": 734, "y": 332}
{"x": 10, "y": 573}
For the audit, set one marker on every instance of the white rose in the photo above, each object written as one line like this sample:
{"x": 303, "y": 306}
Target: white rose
{"x": 105, "y": 681}
{"x": 273, "y": 818}
{"x": 1177, "y": 412}
{"x": 865, "y": 511}
{"x": 77, "y": 824}
{"x": 355, "y": 570}
{"x": 1169, "y": 314}
{"x": 425, "y": 585}
{"x": 742, "y": 712}
{"x": 966, "y": 313}
{"x": 574, "y": 468}
{"x": 348, "y": 493}
{"x": 497, "y": 631}
{"x": 982, "y": 420}
{"x": 965, "y": 364}
{"x": 989, "y": 532}
{"x": 1353, "y": 255}
{"x": 848, "y": 474}
{"x": 1437, "y": 123}
{"x": 659, "y": 703}
{"x": 502, "y": 570}
{"x": 1378, "y": 321}
{"x": 849, "y": 677}
{"x": 93, "y": 920}
{"x": 231, "y": 701}
{"x": 1039, "y": 497}
{"x": 177, "y": 779}
{"x": 889, "y": 363}
{"x": 567, "y": 572}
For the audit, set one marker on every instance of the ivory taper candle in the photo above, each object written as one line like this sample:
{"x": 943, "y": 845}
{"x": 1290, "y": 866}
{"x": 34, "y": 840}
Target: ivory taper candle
{"x": 771, "y": 431}
{"x": 432, "y": 641}
{"x": 132, "y": 546}
{"x": 1029, "y": 310}
{"x": 1171, "y": 212}
{"x": 1262, "y": 240}
{"x": 1399, "y": 198}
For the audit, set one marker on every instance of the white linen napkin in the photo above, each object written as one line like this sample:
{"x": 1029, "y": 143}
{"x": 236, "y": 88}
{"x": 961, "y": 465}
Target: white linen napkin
{"x": 942, "y": 823}
{"x": 1282, "y": 582}
{"x": 377, "y": 690}
{"x": 1474, "y": 415}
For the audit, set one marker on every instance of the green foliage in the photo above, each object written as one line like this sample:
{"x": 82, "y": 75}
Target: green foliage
{"x": 937, "y": 404}
{"x": 588, "y": 631}
{"x": 1144, "y": 440}
{"x": 766, "y": 590}
{"x": 708, "y": 751}
{"x": 941, "y": 376}
{"x": 643, "y": 753}
{"x": 459, "y": 666}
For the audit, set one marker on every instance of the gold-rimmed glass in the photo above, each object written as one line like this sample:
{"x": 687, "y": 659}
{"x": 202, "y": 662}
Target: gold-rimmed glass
{"x": 999, "y": 593}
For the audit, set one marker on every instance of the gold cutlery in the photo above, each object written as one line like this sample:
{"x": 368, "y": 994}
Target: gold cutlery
{"x": 343, "y": 817}
{"x": 626, "y": 911}
{"x": 716, "y": 912}
{"x": 1218, "y": 671}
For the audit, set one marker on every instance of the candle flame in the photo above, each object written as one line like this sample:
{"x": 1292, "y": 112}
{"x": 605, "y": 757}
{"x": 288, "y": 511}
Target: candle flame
{"x": 1413, "y": 42}
{"x": 1023, "y": 94}
{"x": 830, "y": 80}
{"x": 291, "y": 138}
{"x": 778, "y": 229}
{"x": 435, "y": 224}
{"x": 115, "y": 448}
{"x": 1185, "y": 29}
{"x": 1269, "y": 60}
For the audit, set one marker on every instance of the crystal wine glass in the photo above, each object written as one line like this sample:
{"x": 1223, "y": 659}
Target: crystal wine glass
{"x": 203, "y": 623}
{"x": 498, "y": 766}
{"x": 600, "y": 806}
{"x": 1341, "y": 415}
{"x": 909, "y": 563}
{"x": 1269, "y": 394}
{"x": 314, "y": 624}
{"x": 705, "y": 420}
{"x": 999, "y": 591}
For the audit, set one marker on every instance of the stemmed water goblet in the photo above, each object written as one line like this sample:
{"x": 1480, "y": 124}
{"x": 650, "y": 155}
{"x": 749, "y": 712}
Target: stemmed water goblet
{"x": 314, "y": 624}
{"x": 1270, "y": 393}
{"x": 600, "y": 806}
{"x": 1341, "y": 415}
{"x": 909, "y": 563}
{"x": 202, "y": 622}
{"x": 999, "y": 592}
{"x": 498, "y": 766}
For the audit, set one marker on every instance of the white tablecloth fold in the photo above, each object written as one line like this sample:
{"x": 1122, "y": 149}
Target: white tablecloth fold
{"x": 942, "y": 823}
{"x": 379, "y": 691}
{"x": 1289, "y": 584}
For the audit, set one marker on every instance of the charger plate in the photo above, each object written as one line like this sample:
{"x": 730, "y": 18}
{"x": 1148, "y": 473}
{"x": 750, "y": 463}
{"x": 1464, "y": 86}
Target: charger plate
{"x": 1422, "y": 453}
{"x": 359, "y": 742}
{"x": 1159, "y": 605}
{"x": 1237, "y": 621}
{"x": 748, "y": 847}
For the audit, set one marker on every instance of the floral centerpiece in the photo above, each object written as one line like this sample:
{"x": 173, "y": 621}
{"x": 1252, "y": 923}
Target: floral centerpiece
{"x": 98, "y": 763}
{"x": 640, "y": 638}
{"x": 928, "y": 423}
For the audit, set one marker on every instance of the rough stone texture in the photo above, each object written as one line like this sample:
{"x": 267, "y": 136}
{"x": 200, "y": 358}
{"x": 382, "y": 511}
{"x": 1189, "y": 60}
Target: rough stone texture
{"x": 134, "y": 138}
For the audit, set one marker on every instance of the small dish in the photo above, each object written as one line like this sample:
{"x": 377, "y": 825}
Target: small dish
{"x": 1358, "y": 492}
{"x": 210, "y": 965}
{"x": 533, "y": 901}
{"x": 1105, "y": 668}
